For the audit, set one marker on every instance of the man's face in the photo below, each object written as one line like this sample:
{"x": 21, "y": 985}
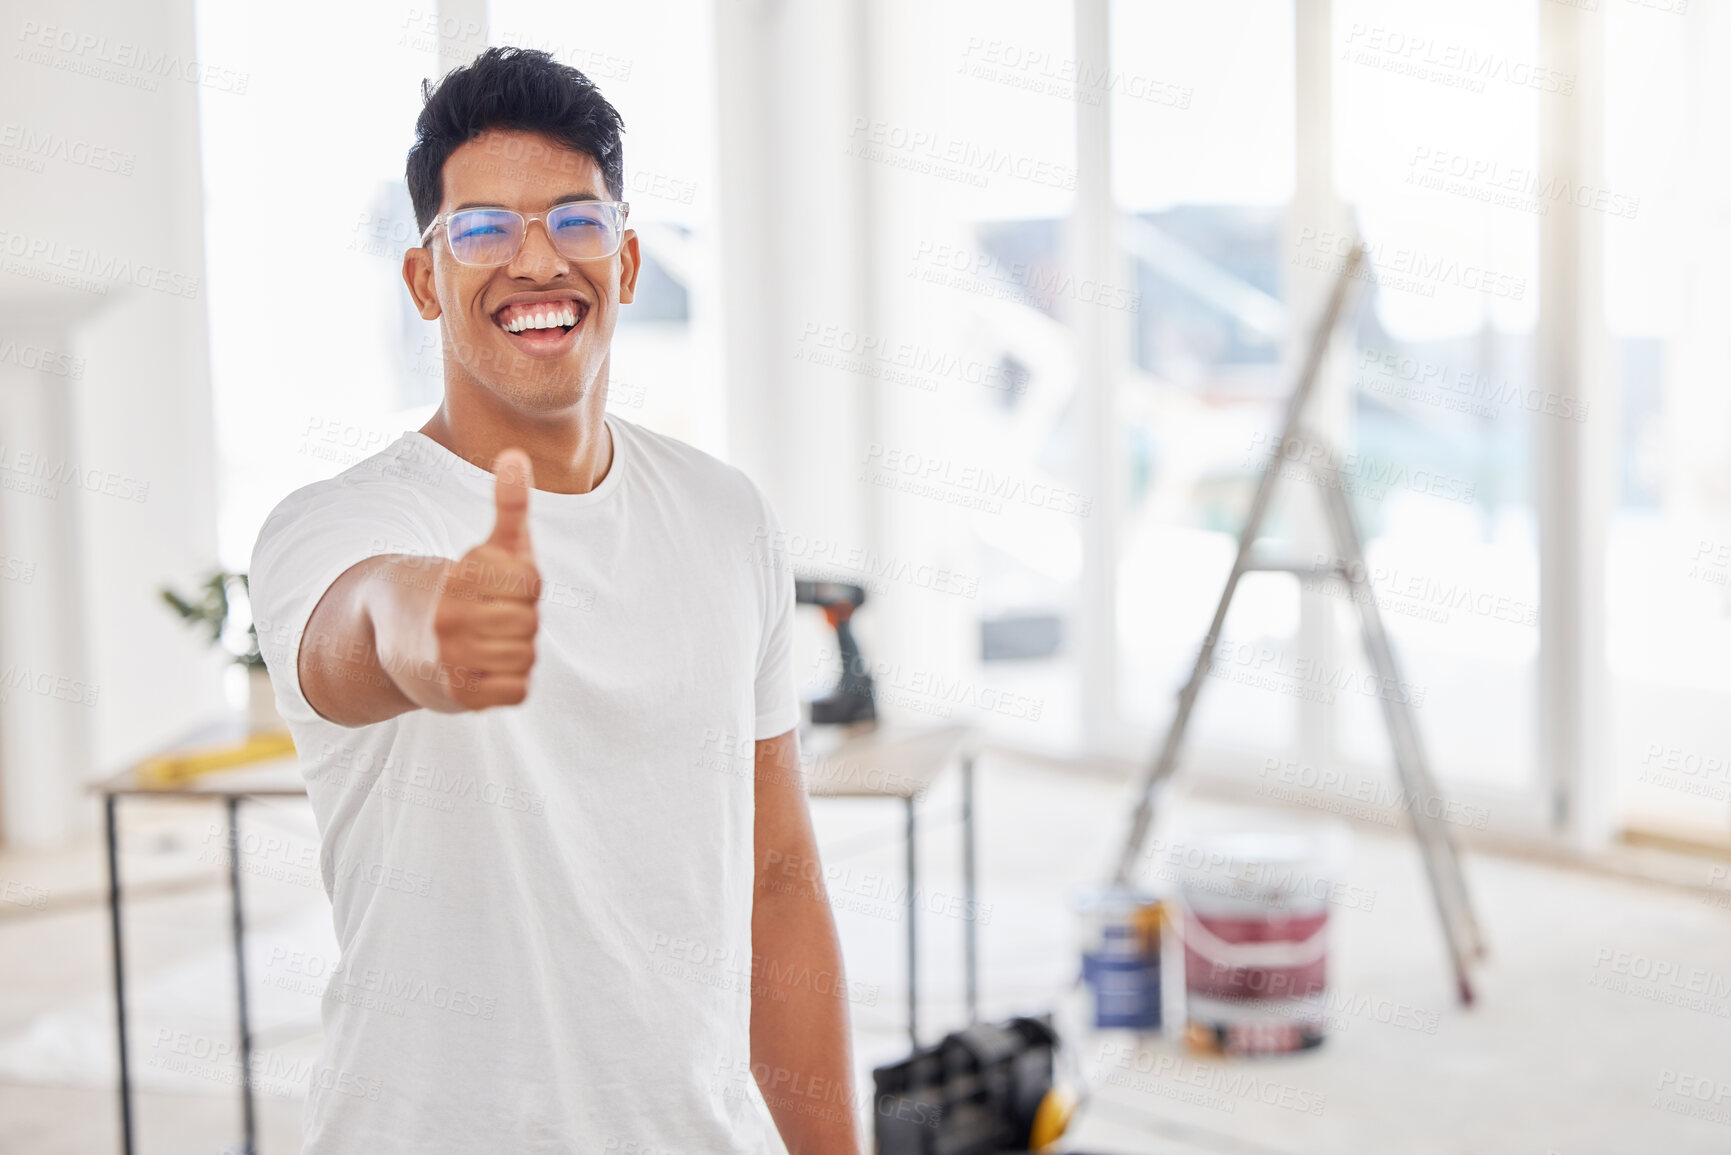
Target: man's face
{"x": 537, "y": 369}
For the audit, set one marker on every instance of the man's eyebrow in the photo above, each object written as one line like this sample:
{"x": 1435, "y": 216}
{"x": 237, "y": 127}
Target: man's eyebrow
{"x": 568, "y": 198}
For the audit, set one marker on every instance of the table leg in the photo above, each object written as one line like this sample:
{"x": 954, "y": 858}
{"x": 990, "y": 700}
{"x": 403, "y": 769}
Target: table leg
{"x": 234, "y": 843}
{"x": 110, "y": 802}
{"x": 913, "y": 952}
{"x": 970, "y": 908}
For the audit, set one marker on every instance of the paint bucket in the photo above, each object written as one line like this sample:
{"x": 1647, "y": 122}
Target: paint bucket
{"x": 1121, "y": 958}
{"x": 1254, "y": 895}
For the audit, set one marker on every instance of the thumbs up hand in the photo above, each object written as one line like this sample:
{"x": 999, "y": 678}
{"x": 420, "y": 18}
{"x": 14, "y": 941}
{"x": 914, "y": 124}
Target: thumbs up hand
{"x": 513, "y": 478}
{"x": 485, "y": 621}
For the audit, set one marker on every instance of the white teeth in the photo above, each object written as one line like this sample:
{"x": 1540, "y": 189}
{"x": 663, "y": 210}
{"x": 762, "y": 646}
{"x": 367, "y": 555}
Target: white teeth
{"x": 546, "y": 319}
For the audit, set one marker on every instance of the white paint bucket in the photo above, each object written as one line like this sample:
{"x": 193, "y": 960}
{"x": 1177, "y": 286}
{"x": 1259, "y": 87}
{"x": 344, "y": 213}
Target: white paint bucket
{"x": 1254, "y": 892}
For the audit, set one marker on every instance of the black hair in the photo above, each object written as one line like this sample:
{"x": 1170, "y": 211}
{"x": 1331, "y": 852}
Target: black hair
{"x": 511, "y": 88}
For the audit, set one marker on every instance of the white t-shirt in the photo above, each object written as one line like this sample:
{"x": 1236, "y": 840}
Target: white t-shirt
{"x": 544, "y": 910}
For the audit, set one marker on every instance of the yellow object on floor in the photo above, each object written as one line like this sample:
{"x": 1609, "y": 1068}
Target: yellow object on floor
{"x": 1052, "y": 1117}
{"x": 170, "y": 769}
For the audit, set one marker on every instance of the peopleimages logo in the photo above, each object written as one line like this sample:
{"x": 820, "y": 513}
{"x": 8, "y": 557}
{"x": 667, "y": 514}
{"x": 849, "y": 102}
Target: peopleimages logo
{"x": 42, "y": 255}
{"x": 373, "y": 988}
{"x": 935, "y": 692}
{"x": 965, "y": 160}
{"x": 61, "y": 687}
{"x": 379, "y": 773}
{"x": 1228, "y": 1086}
{"x": 1465, "y": 386}
{"x": 961, "y": 483}
{"x": 1416, "y": 594}
{"x": 122, "y": 61}
{"x": 1261, "y": 666}
{"x": 902, "y": 362}
{"x": 824, "y": 559}
{"x": 1511, "y": 186}
{"x": 1662, "y": 981}
{"x": 1276, "y": 885}
{"x": 1403, "y": 267}
{"x": 1376, "y": 795}
{"x": 43, "y": 360}
{"x": 1312, "y": 462}
{"x": 38, "y": 146}
{"x": 1463, "y": 66}
{"x": 1030, "y": 282}
{"x": 1038, "y": 69}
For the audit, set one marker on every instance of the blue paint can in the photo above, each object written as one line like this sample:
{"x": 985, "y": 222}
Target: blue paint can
{"x": 1121, "y": 958}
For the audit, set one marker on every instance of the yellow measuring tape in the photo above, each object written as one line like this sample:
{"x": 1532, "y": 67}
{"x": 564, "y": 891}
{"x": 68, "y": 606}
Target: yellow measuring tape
{"x": 173, "y": 769}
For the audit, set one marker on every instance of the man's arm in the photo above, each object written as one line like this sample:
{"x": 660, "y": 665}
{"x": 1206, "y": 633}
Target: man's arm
{"x": 396, "y": 633}
{"x": 800, "y": 1051}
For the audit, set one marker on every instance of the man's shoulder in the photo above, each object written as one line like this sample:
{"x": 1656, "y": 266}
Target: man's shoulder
{"x": 683, "y": 466}
{"x": 382, "y": 482}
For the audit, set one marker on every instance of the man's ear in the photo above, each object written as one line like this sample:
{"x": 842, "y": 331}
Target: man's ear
{"x": 632, "y": 261}
{"x": 418, "y": 275}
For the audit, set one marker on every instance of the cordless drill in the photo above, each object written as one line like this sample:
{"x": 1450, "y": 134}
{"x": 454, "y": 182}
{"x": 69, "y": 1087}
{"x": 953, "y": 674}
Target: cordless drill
{"x": 851, "y": 700}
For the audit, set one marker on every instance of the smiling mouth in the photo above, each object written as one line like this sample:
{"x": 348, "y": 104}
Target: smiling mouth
{"x": 541, "y": 322}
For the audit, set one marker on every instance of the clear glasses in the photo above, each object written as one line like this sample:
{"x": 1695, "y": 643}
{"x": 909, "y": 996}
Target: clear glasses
{"x": 579, "y": 230}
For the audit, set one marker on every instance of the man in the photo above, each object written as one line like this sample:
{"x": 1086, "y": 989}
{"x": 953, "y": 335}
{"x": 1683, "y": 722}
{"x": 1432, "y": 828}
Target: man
{"x": 536, "y": 664}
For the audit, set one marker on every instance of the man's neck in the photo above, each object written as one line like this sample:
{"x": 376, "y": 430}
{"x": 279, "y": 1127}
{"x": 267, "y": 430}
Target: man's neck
{"x": 571, "y": 450}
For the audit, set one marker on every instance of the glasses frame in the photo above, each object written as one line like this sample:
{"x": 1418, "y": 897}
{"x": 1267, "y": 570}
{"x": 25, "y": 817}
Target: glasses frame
{"x": 623, "y": 207}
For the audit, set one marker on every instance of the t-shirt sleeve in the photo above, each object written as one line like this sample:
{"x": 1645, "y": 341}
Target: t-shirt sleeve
{"x": 777, "y": 696}
{"x": 309, "y": 540}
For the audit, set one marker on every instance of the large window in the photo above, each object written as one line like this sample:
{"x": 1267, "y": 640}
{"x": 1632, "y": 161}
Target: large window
{"x": 1438, "y": 162}
{"x": 1425, "y": 403}
{"x": 1668, "y": 558}
{"x": 1203, "y": 163}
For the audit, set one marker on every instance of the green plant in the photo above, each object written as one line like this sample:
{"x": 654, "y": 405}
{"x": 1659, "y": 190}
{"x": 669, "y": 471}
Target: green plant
{"x": 211, "y": 608}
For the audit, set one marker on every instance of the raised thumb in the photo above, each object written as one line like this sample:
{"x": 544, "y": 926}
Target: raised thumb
{"x": 512, "y": 479}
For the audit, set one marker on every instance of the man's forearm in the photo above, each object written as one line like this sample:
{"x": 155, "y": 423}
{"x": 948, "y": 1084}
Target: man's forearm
{"x": 800, "y": 1051}
{"x": 362, "y": 652}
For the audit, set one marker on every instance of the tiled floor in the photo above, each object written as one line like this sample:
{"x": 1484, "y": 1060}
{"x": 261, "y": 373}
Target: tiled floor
{"x": 1562, "y": 1055}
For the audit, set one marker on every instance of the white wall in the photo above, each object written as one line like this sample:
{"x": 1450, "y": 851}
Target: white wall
{"x": 100, "y": 186}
